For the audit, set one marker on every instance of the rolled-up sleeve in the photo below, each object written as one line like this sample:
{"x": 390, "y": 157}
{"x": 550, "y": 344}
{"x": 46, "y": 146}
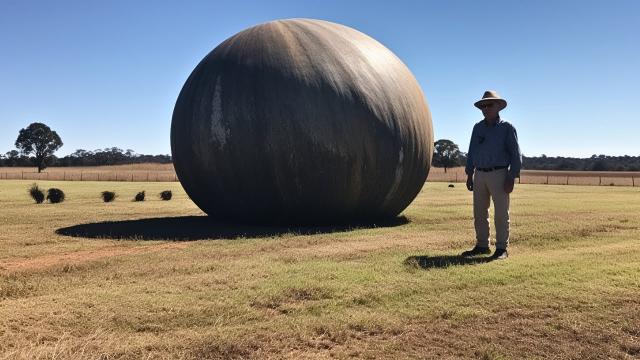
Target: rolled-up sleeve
{"x": 469, "y": 167}
{"x": 515, "y": 156}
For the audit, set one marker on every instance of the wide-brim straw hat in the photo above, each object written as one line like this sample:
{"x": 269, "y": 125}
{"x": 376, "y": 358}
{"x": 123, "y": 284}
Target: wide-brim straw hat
{"x": 491, "y": 95}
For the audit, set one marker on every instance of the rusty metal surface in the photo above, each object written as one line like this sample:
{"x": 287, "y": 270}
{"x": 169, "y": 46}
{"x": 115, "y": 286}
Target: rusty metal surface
{"x": 301, "y": 121}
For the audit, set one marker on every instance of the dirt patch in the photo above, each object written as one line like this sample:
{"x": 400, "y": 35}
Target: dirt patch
{"x": 79, "y": 257}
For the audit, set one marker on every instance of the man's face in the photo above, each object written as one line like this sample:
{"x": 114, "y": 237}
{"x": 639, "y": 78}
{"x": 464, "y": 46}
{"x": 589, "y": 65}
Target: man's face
{"x": 489, "y": 109}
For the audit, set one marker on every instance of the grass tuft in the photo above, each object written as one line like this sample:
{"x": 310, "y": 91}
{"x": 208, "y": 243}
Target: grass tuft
{"x": 108, "y": 196}
{"x": 139, "y": 196}
{"x": 36, "y": 194}
{"x": 55, "y": 195}
{"x": 166, "y": 195}
{"x": 489, "y": 354}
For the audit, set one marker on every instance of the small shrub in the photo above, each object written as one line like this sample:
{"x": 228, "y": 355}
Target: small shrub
{"x": 55, "y": 195}
{"x": 139, "y": 196}
{"x": 36, "y": 194}
{"x": 108, "y": 196}
{"x": 166, "y": 195}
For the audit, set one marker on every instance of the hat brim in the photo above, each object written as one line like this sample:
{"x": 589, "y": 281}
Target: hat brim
{"x": 502, "y": 103}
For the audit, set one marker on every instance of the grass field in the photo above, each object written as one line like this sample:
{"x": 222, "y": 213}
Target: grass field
{"x": 158, "y": 280}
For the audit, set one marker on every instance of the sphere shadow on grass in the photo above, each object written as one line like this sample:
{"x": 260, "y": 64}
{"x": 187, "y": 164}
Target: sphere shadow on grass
{"x": 188, "y": 228}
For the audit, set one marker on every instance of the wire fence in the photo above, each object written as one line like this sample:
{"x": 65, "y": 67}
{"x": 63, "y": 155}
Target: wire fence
{"x": 452, "y": 177}
{"x": 551, "y": 179}
{"x": 130, "y": 176}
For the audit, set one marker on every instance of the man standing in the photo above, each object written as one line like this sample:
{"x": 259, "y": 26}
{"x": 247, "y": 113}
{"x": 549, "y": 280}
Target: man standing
{"x": 493, "y": 164}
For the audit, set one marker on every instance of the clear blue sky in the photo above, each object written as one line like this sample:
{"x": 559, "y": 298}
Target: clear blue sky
{"x": 107, "y": 73}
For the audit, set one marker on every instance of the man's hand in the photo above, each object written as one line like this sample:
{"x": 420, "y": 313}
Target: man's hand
{"x": 508, "y": 185}
{"x": 470, "y": 182}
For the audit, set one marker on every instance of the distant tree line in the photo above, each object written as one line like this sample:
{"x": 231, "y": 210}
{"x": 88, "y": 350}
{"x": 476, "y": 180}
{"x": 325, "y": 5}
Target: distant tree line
{"x": 81, "y": 157}
{"x": 446, "y": 154}
{"x": 593, "y": 163}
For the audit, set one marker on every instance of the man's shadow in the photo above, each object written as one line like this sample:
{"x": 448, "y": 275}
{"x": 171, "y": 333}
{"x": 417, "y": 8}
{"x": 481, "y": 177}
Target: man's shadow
{"x": 444, "y": 261}
{"x": 188, "y": 228}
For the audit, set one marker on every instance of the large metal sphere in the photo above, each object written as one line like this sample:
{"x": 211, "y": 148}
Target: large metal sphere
{"x": 301, "y": 121}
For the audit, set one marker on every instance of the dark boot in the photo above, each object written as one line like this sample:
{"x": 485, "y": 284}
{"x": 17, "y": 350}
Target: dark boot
{"x": 477, "y": 250}
{"x": 500, "y": 254}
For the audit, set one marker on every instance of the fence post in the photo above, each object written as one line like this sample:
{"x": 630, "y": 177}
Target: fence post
{"x": 599, "y": 180}
{"x": 633, "y": 181}
{"x": 567, "y": 179}
{"x": 22, "y": 176}
{"x": 131, "y": 177}
{"x": 547, "y": 179}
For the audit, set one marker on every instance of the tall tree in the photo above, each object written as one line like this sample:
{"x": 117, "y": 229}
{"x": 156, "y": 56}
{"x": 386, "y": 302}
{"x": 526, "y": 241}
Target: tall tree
{"x": 39, "y": 140}
{"x": 446, "y": 154}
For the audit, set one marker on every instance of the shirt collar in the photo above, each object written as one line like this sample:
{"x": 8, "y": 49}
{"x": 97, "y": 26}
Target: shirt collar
{"x": 484, "y": 121}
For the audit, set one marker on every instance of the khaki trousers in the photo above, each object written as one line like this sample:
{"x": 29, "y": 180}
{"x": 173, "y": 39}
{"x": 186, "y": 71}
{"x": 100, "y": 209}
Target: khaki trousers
{"x": 487, "y": 185}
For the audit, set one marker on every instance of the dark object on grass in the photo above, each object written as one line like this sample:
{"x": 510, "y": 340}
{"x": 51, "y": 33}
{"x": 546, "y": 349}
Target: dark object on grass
{"x": 36, "y": 194}
{"x": 139, "y": 196}
{"x": 330, "y": 127}
{"x": 55, "y": 195}
{"x": 108, "y": 196}
{"x": 451, "y": 185}
{"x": 166, "y": 195}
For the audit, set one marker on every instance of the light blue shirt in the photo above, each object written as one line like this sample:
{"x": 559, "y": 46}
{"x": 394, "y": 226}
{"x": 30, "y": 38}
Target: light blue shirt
{"x": 494, "y": 145}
